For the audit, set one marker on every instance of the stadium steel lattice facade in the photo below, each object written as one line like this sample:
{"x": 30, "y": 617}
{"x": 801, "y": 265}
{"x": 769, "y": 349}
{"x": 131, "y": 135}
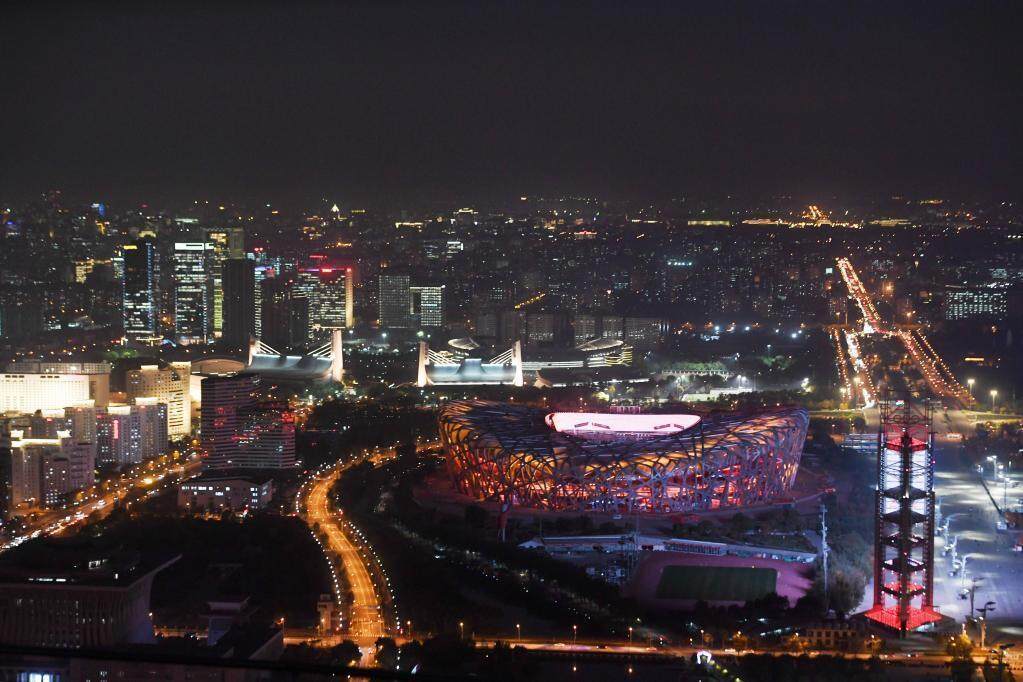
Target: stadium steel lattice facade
{"x": 615, "y": 463}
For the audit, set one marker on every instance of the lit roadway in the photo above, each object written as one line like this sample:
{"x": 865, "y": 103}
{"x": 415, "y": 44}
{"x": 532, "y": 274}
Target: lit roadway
{"x": 935, "y": 372}
{"x": 101, "y": 498}
{"x": 366, "y": 620}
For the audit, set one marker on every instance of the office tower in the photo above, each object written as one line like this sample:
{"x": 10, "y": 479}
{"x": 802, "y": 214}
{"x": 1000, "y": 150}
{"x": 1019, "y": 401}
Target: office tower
{"x": 645, "y": 331}
{"x": 227, "y": 403}
{"x": 985, "y": 301}
{"x": 193, "y": 307}
{"x": 30, "y": 385}
{"x": 140, "y": 297}
{"x": 329, "y": 290}
{"x": 170, "y": 386}
{"x": 612, "y": 327}
{"x": 226, "y": 243}
{"x": 238, "y": 431}
{"x": 127, "y": 434}
{"x": 260, "y": 274}
{"x": 395, "y": 302}
{"x": 285, "y": 315}
{"x": 428, "y": 305}
{"x": 584, "y": 328}
{"x": 239, "y": 279}
{"x": 486, "y": 327}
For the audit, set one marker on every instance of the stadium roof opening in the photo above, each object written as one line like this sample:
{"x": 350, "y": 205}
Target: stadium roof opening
{"x": 594, "y": 425}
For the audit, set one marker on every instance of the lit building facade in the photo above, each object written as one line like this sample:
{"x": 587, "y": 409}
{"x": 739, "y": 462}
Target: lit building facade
{"x": 428, "y": 305}
{"x": 230, "y": 490}
{"x": 140, "y": 295}
{"x": 395, "y": 302}
{"x": 31, "y": 385}
{"x": 127, "y": 434}
{"x": 621, "y": 463}
{"x": 990, "y": 301}
{"x": 193, "y": 292}
{"x": 330, "y": 294}
{"x": 225, "y": 243}
{"x": 238, "y": 431}
{"x": 259, "y": 274}
{"x": 168, "y": 385}
{"x": 77, "y": 601}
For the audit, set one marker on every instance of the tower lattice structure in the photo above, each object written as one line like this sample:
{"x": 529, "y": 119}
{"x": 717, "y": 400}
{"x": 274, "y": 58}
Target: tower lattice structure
{"x": 904, "y": 517}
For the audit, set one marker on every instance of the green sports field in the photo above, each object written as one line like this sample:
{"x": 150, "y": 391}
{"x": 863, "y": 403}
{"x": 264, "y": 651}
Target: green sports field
{"x": 716, "y": 583}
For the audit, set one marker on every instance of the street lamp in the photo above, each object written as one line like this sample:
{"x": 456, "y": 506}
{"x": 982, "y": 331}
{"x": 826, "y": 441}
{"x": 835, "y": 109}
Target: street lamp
{"x": 575, "y": 633}
{"x": 969, "y": 383}
{"x": 994, "y": 394}
{"x": 989, "y": 606}
{"x": 630, "y": 634}
{"x": 461, "y": 629}
{"x": 518, "y": 631}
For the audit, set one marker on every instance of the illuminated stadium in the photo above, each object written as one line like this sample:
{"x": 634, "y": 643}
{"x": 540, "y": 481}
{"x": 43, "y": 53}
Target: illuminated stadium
{"x": 649, "y": 463}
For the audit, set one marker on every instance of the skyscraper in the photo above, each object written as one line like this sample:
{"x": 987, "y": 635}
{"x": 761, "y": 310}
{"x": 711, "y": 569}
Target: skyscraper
{"x": 284, "y": 315}
{"x": 428, "y": 305}
{"x": 260, "y": 273}
{"x": 227, "y": 404}
{"x": 395, "y": 305}
{"x": 192, "y": 292}
{"x": 329, "y": 290}
{"x": 239, "y": 301}
{"x": 240, "y": 432}
{"x": 227, "y": 243}
{"x": 141, "y": 277}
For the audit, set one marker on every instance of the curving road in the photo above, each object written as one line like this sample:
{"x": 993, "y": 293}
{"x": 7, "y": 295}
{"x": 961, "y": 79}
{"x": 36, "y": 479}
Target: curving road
{"x": 366, "y": 620}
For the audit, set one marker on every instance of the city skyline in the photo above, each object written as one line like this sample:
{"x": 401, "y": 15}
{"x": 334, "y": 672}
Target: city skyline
{"x": 513, "y": 341}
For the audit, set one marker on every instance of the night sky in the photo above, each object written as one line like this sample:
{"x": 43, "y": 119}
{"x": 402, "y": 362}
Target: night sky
{"x": 447, "y": 100}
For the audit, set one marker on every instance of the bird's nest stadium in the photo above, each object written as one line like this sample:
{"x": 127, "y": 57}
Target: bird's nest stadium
{"x": 623, "y": 463}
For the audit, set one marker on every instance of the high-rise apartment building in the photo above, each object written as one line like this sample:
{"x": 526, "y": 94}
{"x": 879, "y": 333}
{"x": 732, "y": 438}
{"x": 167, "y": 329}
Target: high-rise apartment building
{"x": 43, "y": 471}
{"x": 395, "y": 301}
{"x": 140, "y": 296}
{"x": 238, "y": 431}
{"x": 428, "y": 305}
{"x": 239, "y": 277}
{"x": 168, "y": 385}
{"x": 193, "y": 300}
{"x": 127, "y": 434}
{"x": 227, "y": 404}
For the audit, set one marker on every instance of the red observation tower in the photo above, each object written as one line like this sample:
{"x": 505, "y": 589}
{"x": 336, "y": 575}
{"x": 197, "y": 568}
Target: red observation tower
{"x": 904, "y": 522}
